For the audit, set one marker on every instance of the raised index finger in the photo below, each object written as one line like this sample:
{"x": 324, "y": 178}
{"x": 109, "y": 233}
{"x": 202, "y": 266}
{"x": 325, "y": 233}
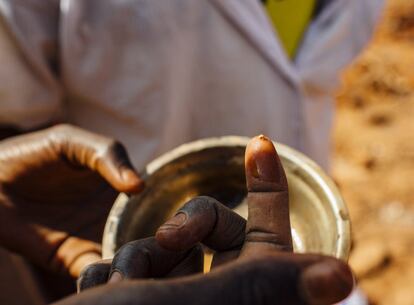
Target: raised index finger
{"x": 268, "y": 224}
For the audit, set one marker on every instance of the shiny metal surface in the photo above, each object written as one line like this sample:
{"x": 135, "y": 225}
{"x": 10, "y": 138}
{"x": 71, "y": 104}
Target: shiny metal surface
{"x": 215, "y": 167}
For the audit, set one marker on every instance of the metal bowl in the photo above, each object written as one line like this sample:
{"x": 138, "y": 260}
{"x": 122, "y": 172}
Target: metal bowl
{"x": 215, "y": 167}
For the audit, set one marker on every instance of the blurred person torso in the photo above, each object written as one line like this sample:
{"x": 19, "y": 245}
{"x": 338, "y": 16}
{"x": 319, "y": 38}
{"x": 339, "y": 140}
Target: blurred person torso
{"x": 156, "y": 74}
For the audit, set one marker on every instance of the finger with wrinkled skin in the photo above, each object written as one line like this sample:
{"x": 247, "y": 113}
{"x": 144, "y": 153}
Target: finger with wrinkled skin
{"x": 203, "y": 219}
{"x": 47, "y": 179}
{"x": 144, "y": 258}
{"x": 273, "y": 279}
{"x": 80, "y": 147}
{"x": 99, "y": 153}
{"x": 268, "y": 224}
{"x": 94, "y": 275}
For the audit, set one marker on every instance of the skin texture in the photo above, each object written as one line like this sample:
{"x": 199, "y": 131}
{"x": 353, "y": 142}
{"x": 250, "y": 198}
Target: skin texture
{"x": 253, "y": 263}
{"x": 56, "y": 188}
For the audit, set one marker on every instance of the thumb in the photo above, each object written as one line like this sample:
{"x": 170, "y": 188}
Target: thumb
{"x": 268, "y": 224}
{"x": 266, "y": 280}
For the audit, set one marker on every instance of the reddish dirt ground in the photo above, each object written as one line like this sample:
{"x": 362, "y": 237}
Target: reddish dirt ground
{"x": 374, "y": 158}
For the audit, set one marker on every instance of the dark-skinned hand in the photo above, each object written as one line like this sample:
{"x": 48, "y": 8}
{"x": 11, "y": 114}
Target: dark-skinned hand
{"x": 253, "y": 264}
{"x": 56, "y": 188}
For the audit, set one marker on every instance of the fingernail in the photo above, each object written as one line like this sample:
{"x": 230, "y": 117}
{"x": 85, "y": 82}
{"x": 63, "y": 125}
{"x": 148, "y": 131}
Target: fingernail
{"x": 263, "y": 168}
{"x": 326, "y": 283}
{"x": 131, "y": 179}
{"x": 115, "y": 277}
{"x": 175, "y": 222}
{"x": 170, "y": 235}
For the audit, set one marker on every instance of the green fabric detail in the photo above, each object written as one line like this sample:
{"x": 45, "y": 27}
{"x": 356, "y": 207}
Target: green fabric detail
{"x": 290, "y": 19}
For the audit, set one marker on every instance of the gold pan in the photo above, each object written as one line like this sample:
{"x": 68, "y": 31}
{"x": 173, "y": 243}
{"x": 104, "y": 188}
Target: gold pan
{"x": 215, "y": 167}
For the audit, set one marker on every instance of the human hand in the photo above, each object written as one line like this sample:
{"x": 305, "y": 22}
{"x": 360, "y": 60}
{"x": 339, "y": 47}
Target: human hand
{"x": 252, "y": 266}
{"x": 56, "y": 188}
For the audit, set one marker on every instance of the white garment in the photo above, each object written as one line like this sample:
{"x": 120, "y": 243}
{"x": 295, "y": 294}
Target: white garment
{"x": 156, "y": 74}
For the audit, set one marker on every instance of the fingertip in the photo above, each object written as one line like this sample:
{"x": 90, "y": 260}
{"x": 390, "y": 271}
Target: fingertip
{"x": 93, "y": 275}
{"x": 118, "y": 170}
{"x": 131, "y": 183}
{"x": 115, "y": 277}
{"x": 326, "y": 283}
{"x": 264, "y": 171}
{"x": 170, "y": 237}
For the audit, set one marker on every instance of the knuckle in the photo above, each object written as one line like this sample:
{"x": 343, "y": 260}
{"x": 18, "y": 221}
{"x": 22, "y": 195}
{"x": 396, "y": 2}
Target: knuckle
{"x": 89, "y": 271}
{"x": 126, "y": 252}
{"x": 132, "y": 250}
{"x": 114, "y": 149}
{"x": 92, "y": 275}
{"x": 107, "y": 150}
{"x": 278, "y": 241}
{"x": 58, "y": 135}
{"x": 63, "y": 127}
{"x": 200, "y": 204}
{"x": 114, "y": 145}
{"x": 134, "y": 259}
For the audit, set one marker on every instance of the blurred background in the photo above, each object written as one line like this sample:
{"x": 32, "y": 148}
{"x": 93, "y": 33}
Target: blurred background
{"x": 374, "y": 158}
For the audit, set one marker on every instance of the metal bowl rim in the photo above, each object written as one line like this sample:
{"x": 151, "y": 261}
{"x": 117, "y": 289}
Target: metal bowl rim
{"x": 306, "y": 165}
